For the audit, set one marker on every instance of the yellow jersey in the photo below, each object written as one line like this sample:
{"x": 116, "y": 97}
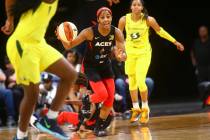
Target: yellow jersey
{"x": 29, "y": 29}
{"x": 137, "y": 36}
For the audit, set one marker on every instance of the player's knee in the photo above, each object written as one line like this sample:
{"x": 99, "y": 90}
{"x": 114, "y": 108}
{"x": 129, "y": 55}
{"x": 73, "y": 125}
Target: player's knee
{"x": 73, "y": 75}
{"x": 133, "y": 87}
{"x": 103, "y": 95}
{"x": 143, "y": 87}
{"x": 70, "y": 77}
{"x": 109, "y": 102}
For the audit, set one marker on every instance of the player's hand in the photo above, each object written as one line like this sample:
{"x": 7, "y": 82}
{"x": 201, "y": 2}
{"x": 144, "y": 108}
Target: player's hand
{"x": 111, "y": 2}
{"x": 8, "y": 27}
{"x": 65, "y": 44}
{"x": 179, "y": 46}
{"x": 121, "y": 55}
{"x": 57, "y": 34}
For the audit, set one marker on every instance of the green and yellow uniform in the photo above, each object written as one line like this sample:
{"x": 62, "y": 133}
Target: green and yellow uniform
{"x": 138, "y": 51}
{"x": 27, "y": 49}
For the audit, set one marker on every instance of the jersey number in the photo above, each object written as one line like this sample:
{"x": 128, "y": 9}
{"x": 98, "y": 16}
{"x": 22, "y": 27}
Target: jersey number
{"x": 135, "y": 35}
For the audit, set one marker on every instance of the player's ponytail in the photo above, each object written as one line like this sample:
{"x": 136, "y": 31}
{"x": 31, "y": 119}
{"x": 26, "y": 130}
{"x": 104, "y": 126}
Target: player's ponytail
{"x": 144, "y": 11}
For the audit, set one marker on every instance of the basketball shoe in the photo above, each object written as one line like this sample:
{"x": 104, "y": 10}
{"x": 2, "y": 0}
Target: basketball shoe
{"x": 144, "y": 118}
{"x": 135, "y": 113}
{"x": 51, "y": 127}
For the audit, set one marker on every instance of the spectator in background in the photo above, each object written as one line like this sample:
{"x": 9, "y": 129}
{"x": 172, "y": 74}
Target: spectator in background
{"x": 47, "y": 89}
{"x": 11, "y": 84}
{"x": 7, "y": 96}
{"x": 150, "y": 85}
{"x": 200, "y": 55}
{"x": 73, "y": 57}
{"x": 121, "y": 87}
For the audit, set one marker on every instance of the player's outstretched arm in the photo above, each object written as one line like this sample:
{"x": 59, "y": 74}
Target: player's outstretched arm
{"x": 85, "y": 34}
{"x": 164, "y": 34}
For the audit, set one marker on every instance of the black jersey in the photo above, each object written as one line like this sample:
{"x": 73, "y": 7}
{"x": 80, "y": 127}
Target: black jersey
{"x": 99, "y": 49}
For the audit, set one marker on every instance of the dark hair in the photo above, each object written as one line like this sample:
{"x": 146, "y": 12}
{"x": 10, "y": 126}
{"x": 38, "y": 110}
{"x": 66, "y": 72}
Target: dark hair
{"x": 77, "y": 55}
{"x": 6, "y": 60}
{"x": 203, "y": 25}
{"x": 82, "y": 79}
{"x": 22, "y": 6}
{"x": 47, "y": 78}
{"x": 144, "y": 11}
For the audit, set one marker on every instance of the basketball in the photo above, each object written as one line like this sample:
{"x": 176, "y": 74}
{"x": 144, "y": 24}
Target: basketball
{"x": 67, "y": 31}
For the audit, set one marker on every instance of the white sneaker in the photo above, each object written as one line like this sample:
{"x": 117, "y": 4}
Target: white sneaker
{"x": 33, "y": 120}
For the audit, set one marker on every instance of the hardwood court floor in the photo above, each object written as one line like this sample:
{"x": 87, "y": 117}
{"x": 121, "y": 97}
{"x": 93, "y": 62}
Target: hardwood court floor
{"x": 175, "y": 127}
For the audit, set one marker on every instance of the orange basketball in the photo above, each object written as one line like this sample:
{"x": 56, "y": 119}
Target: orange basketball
{"x": 67, "y": 31}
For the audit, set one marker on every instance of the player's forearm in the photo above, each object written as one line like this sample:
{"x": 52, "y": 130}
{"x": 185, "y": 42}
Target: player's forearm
{"x": 164, "y": 34}
{"x": 8, "y": 7}
{"x": 120, "y": 46}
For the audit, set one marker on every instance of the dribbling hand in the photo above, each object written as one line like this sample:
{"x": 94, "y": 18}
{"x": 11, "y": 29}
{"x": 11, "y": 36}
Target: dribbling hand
{"x": 65, "y": 44}
{"x": 121, "y": 56}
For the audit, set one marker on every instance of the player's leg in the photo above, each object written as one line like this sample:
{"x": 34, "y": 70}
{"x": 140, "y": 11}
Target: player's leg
{"x": 100, "y": 129}
{"x": 130, "y": 69}
{"x": 27, "y": 74}
{"x": 52, "y": 61}
{"x": 143, "y": 63}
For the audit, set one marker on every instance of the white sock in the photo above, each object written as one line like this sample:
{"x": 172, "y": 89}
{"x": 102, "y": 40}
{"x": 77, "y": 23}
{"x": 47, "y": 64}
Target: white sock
{"x": 26, "y": 134}
{"x": 21, "y": 134}
{"x": 136, "y": 105}
{"x": 52, "y": 114}
{"x": 145, "y": 105}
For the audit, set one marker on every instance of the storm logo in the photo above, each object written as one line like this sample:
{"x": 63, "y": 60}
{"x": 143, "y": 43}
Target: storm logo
{"x": 135, "y": 35}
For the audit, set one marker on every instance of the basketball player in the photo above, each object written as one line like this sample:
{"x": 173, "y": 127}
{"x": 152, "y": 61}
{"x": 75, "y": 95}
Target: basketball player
{"x": 97, "y": 66}
{"x": 138, "y": 49}
{"x": 30, "y": 54}
{"x": 77, "y": 119}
